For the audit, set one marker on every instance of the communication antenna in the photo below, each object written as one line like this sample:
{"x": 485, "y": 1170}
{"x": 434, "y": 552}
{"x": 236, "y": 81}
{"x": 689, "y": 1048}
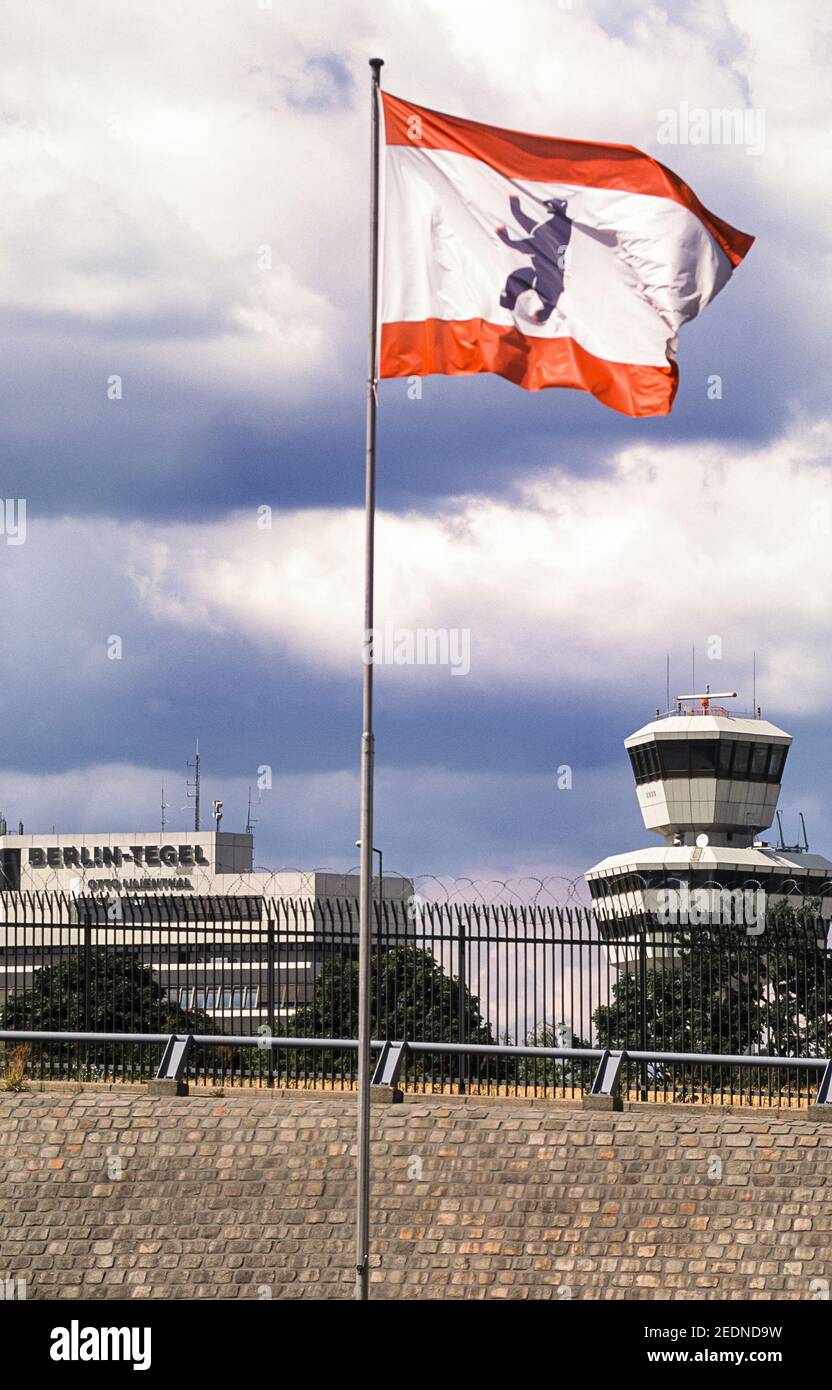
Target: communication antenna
{"x": 250, "y": 824}
{"x": 193, "y": 795}
{"x": 164, "y": 807}
{"x": 754, "y": 681}
{"x": 216, "y": 812}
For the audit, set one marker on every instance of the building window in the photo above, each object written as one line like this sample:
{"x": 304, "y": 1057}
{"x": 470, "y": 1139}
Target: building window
{"x": 231, "y": 997}
{"x": 10, "y": 870}
{"x": 776, "y": 760}
{"x": 733, "y": 880}
{"x": 675, "y": 757}
{"x": 645, "y": 762}
{"x": 703, "y": 758}
{"x": 741, "y": 761}
{"x": 688, "y": 757}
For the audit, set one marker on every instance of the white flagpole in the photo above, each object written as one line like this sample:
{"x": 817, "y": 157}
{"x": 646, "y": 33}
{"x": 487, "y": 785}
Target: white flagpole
{"x": 362, "y": 1224}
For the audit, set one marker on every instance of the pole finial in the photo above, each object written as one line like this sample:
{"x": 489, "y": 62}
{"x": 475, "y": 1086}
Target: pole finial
{"x": 376, "y": 64}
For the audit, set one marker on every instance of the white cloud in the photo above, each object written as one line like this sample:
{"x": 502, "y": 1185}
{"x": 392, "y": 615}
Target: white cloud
{"x": 581, "y": 582}
{"x": 573, "y": 583}
{"x": 147, "y": 152}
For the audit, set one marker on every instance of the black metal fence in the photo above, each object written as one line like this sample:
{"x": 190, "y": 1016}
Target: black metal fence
{"x": 442, "y": 973}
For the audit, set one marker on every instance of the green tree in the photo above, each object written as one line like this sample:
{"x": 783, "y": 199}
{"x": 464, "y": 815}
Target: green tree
{"x": 705, "y": 998}
{"x": 105, "y": 990}
{"x": 411, "y": 999}
{"x": 727, "y": 990}
{"x": 796, "y": 1010}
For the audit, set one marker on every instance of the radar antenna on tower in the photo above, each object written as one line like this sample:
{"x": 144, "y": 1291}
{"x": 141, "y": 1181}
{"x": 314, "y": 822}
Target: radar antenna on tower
{"x": 705, "y": 698}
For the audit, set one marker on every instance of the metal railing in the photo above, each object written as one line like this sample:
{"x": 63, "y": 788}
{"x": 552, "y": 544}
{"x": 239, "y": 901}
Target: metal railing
{"x": 687, "y": 710}
{"x": 491, "y": 998}
{"x": 607, "y": 1079}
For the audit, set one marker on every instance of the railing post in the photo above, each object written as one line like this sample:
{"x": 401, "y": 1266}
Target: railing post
{"x": 171, "y": 1076}
{"x": 385, "y": 1080}
{"x": 605, "y": 1091}
{"x": 822, "y": 1102}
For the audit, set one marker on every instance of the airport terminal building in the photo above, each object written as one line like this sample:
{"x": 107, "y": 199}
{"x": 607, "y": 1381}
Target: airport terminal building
{"x": 242, "y": 946}
{"x": 193, "y": 862}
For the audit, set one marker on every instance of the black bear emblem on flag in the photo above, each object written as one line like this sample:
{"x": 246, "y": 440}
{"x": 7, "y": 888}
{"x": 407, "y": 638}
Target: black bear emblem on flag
{"x": 546, "y": 244}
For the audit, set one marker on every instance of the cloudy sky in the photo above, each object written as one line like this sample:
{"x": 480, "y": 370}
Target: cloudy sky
{"x": 184, "y": 192}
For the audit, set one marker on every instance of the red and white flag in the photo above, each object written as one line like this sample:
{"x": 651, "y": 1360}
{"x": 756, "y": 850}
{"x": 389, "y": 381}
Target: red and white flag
{"x": 549, "y": 262}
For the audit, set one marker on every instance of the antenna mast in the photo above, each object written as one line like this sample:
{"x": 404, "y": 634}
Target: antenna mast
{"x": 250, "y": 824}
{"x": 754, "y": 682}
{"x": 164, "y": 806}
{"x": 194, "y": 795}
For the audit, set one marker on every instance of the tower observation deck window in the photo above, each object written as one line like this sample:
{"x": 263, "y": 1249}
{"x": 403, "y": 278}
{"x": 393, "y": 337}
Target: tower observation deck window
{"x": 675, "y": 758}
{"x": 703, "y": 758}
{"x": 776, "y": 759}
{"x": 759, "y": 760}
{"x": 645, "y": 763}
{"x": 706, "y": 757}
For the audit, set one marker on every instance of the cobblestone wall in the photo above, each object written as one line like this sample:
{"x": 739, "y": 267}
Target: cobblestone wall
{"x": 113, "y": 1194}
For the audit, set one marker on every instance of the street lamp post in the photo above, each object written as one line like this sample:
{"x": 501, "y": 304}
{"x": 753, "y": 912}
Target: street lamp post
{"x": 380, "y": 880}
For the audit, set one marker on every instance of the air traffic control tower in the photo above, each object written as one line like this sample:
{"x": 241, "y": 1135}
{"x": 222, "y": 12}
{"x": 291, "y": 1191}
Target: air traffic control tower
{"x": 707, "y": 783}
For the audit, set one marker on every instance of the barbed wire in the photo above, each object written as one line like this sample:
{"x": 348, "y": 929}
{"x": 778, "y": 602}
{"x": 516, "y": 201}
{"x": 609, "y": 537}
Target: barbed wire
{"x": 555, "y": 890}
{"x": 552, "y": 890}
